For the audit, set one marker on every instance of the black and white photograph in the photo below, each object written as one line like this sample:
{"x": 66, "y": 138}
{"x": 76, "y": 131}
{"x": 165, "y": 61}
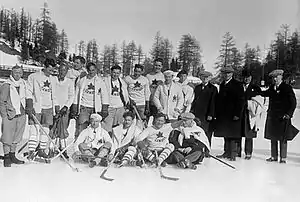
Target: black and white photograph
{"x": 149, "y": 101}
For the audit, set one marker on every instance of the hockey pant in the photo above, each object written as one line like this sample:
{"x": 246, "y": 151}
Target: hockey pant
{"x": 102, "y": 152}
{"x": 195, "y": 156}
{"x": 37, "y": 136}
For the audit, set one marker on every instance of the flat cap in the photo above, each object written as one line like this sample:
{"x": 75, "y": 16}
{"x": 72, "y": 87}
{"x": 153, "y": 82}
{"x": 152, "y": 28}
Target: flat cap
{"x": 276, "y": 72}
{"x": 227, "y": 69}
{"x": 206, "y": 74}
{"x": 168, "y": 73}
{"x": 96, "y": 117}
{"x": 187, "y": 115}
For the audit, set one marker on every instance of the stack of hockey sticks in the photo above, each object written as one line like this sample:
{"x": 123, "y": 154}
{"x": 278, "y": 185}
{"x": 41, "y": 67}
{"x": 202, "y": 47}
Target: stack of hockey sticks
{"x": 55, "y": 146}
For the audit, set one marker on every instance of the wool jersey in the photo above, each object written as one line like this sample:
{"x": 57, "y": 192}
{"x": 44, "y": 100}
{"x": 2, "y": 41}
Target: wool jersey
{"x": 65, "y": 92}
{"x": 154, "y": 79}
{"x": 88, "y": 93}
{"x": 138, "y": 89}
{"x": 46, "y": 91}
{"x": 157, "y": 138}
{"x": 115, "y": 98}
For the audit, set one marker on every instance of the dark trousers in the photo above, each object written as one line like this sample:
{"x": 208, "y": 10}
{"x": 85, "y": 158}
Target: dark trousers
{"x": 274, "y": 149}
{"x": 248, "y": 146}
{"x": 230, "y": 147}
{"x": 152, "y": 109}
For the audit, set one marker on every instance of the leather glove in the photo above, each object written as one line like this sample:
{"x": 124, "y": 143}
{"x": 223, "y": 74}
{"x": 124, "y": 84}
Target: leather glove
{"x": 29, "y": 110}
{"x": 235, "y": 118}
{"x": 73, "y": 111}
{"x": 104, "y": 111}
{"x": 147, "y": 109}
{"x": 63, "y": 110}
{"x": 56, "y": 108}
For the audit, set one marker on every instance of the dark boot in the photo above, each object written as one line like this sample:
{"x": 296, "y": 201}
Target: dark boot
{"x": 7, "y": 160}
{"x": 271, "y": 159}
{"x": 14, "y": 159}
{"x": 42, "y": 154}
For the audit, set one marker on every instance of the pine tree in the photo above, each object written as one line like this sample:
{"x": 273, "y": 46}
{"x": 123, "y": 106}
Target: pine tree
{"x": 89, "y": 50}
{"x": 63, "y": 42}
{"x": 95, "y": 55}
{"x": 114, "y": 52}
{"x": 82, "y": 48}
{"x": 189, "y": 52}
{"x": 226, "y": 51}
{"x": 140, "y": 54}
{"x": 157, "y": 47}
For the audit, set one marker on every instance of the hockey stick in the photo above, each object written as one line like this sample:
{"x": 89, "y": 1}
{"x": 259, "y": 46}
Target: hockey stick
{"x": 108, "y": 166}
{"x": 220, "y": 160}
{"x": 138, "y": 116}
{"x": 21, "y": 149}
{"x": 55, "y": 146}
{"x": 62, "y": 151}
{"x": 161, "y": 173}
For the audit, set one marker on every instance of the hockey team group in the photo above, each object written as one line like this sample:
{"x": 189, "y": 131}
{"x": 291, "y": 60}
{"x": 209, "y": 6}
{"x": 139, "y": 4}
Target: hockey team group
{"x": 140, "y": 120}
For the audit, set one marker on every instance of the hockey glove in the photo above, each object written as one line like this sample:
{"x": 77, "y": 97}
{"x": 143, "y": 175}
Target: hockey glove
{"x": 73, "y": 111}
{"x": 104, "y": 111}
{"x": 147, "y": 109}
{"x": 63, "y": 111}
{"x": 29, "y": 110}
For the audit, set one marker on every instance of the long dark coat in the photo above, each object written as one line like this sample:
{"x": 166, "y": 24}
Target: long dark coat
{"x": 251, "y": 91}
{"x": 230, "y": 103}
{"x": 281, "y": 101}
{"x": 204, "y": 104}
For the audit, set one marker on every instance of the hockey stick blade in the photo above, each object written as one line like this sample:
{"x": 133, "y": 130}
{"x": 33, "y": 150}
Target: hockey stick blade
{"x": 166, "y": 177}
{"x": 105, "y": 178}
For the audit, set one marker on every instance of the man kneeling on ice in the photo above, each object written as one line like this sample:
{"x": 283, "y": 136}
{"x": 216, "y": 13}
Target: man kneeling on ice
{"x": 124, "y": 138}
{"x": 156, "y": 139}
{"x": 94, "y": 142}
{"x": 190, "y": 142}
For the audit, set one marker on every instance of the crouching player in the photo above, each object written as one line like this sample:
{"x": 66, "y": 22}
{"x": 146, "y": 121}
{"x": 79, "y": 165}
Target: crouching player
{"x": 124, "y": 139}
{"x": 94, "y": 142}
{"x": 190, "y": 143}
{"x": 156, "y": 139}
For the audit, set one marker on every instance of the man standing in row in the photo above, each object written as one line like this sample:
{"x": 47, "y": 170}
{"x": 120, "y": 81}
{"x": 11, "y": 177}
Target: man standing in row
{"x": 204, "y": 104}
{"x": 250, "y": 91}
{"x": 282, "y": 104}
{"x": 187, "y": 90}
{"x": 13, "y": 94}
{"x": 230, "y": 103}
{"x": 44, "y": 102}
{"x": 139, "y": 90}
{"x": 168, "y": 98}
{"x": 91, "y": 96}
{"x": 118, "y": 98}
{"x": 155, "y": 78}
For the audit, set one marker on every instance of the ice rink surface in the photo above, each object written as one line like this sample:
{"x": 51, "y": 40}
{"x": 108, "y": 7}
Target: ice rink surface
{"x": 253, "y": 181}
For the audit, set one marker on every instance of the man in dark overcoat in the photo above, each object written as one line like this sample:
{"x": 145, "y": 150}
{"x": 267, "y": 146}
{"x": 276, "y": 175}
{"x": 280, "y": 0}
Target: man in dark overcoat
{"x": 282, "y": 104}
{"x": 250, "y": 92}
{"x": 204, "y": 103}
{"x": 229, "y": 108}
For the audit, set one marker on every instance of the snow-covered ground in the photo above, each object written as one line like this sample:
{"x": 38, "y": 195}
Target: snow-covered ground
{"x": 254, "y": 180}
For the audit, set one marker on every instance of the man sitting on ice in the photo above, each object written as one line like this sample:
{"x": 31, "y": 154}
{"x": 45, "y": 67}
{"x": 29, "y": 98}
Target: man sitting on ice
{"x": 124, "y": 136}
{"x": 94, "y": 141}
{"x": 189, "y": 141}
{"x": 156, "y": 139}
